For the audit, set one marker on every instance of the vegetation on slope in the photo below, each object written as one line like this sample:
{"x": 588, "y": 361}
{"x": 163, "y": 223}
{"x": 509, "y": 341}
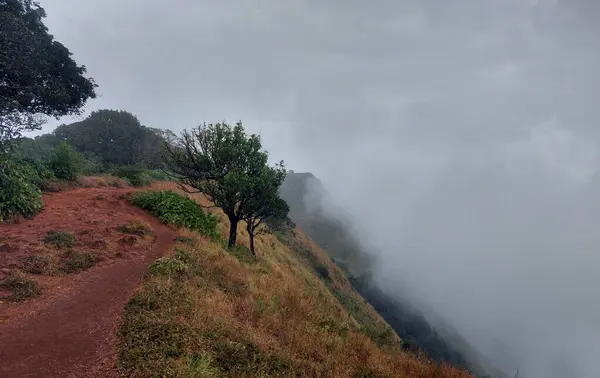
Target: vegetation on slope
{"x": 304, "y": 193}
{"x": 207, "y": 311}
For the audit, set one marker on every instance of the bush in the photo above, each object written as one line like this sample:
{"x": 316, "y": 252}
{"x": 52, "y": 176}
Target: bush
{"x": 43, "y": 175}
{"x": 175, "y": 209}
{"x": 65, "y": 162}
{"x": 323, "y": 271}
{"x": 91, "y": 165}
{"x": 19, "y": 193}
{"x": 135, "y": 176}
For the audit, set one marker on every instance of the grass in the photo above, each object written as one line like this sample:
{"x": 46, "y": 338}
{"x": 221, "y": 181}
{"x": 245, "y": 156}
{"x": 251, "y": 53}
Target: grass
{"x": 59, "y": 239}
{"x": 69, "y": 262}
{"x": 128, "y": 240}
{"x": 42, "y": 264}
{"x": 205, "y": 310}
{"x": 134, "y": 176}
{"x": 22, "y": 287}
{"x": 101, "y": 181}
{"x": 75, "y": 262}
{"x": 137, "y": 228}
{"x": 192, "y": 242}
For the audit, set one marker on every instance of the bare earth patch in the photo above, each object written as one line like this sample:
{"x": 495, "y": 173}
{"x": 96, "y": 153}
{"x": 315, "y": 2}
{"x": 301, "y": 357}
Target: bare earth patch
{"x": 69, "y": 329}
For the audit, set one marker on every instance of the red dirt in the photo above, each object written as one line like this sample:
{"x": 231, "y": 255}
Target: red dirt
{"x": 70, "y": 331}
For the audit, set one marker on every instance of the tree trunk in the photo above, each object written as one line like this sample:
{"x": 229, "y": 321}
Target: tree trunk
{"x": 233, "y": 221}
{"x": 250, "y": 229}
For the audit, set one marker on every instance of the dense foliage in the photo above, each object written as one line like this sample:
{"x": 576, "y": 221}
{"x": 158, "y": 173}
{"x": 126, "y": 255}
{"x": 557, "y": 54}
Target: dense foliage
{"x": 115, "y": 137}
{"x": 173, "y": 208}
{"x": 19, "y": 194}
{"x": 65, "y": 163}
{"x": 37, "y": 74}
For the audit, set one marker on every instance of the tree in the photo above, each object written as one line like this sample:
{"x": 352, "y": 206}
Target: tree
{"x": 38, "y": 76}
{"x": 116, "y": 137}
{"x": 65, "y": 163}
{"x": 264, "y": 207}
{"x": 225, "y": 164}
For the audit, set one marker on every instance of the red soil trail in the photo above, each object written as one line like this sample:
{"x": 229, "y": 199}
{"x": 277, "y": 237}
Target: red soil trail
{"x": 70, "y": 331}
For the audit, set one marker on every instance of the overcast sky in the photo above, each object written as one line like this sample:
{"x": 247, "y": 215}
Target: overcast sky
{"x": 462, "y": 135}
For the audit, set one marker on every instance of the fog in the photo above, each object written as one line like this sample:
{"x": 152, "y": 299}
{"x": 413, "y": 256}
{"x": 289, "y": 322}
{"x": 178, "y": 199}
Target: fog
{"x": 462, "y": 138}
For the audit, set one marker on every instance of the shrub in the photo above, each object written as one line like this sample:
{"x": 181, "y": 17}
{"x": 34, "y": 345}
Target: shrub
{"x": 91, "y": 164}
{"x": 42, "y": 176}
{"x": 21, "y": 285}
{"x": 65, "y": 162}
{"x": 59, "y": 239}
{"x": 19, "y": 193}
{"x": 323, "y": 271}
{"x": 175, "y": 209}
{"x": 135, "y": 176}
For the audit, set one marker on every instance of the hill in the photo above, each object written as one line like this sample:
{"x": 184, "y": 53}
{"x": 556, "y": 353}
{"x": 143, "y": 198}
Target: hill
{"x": 202, "y": 310}
{"x": 310, "y": 209}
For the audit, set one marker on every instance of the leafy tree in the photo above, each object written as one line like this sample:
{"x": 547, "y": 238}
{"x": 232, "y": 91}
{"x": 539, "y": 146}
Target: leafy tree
{"x": 66, "y": 163}
{"x": 37, "y": 74}
{"x": 226, "y": 165}
{"x": 264, "y": 207}
{"x": 116, "y": 137}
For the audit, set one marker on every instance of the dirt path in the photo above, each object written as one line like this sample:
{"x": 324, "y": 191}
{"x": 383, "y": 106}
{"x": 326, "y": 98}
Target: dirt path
{"x": 70, "y": 330}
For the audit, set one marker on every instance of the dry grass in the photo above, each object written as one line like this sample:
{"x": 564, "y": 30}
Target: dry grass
{"x": 22, "y": 287}
{"x": 205, "y": 312}
{"x": 100, "y": 181}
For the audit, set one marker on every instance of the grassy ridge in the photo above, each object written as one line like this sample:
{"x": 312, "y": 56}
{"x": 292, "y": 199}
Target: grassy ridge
{"x": 204, "y": 311}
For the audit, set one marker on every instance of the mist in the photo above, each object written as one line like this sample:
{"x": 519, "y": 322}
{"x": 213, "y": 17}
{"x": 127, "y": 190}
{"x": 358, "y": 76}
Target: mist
{"x": 461, "y": 138}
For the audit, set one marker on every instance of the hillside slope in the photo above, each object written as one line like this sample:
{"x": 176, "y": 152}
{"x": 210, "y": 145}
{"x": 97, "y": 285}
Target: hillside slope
{"x": 208, "y": 312}
{"x": 309, "y": 209}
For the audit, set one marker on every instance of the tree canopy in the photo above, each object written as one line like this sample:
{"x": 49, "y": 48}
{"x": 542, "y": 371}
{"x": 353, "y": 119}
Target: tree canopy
{"x": 230, "y": 168}
{"x": 264, "y": 207}
{"x": 38, "y": 75}
{"x": 116, "y": 137}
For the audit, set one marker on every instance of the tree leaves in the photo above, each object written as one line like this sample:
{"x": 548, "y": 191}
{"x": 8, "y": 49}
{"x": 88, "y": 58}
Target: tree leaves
{"x": 230, "y": 167}
{"x": 37, "y": 74}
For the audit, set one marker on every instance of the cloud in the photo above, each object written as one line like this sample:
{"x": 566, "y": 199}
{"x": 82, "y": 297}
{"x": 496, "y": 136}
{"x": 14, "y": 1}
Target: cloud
{"x": 462, "y": 136}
